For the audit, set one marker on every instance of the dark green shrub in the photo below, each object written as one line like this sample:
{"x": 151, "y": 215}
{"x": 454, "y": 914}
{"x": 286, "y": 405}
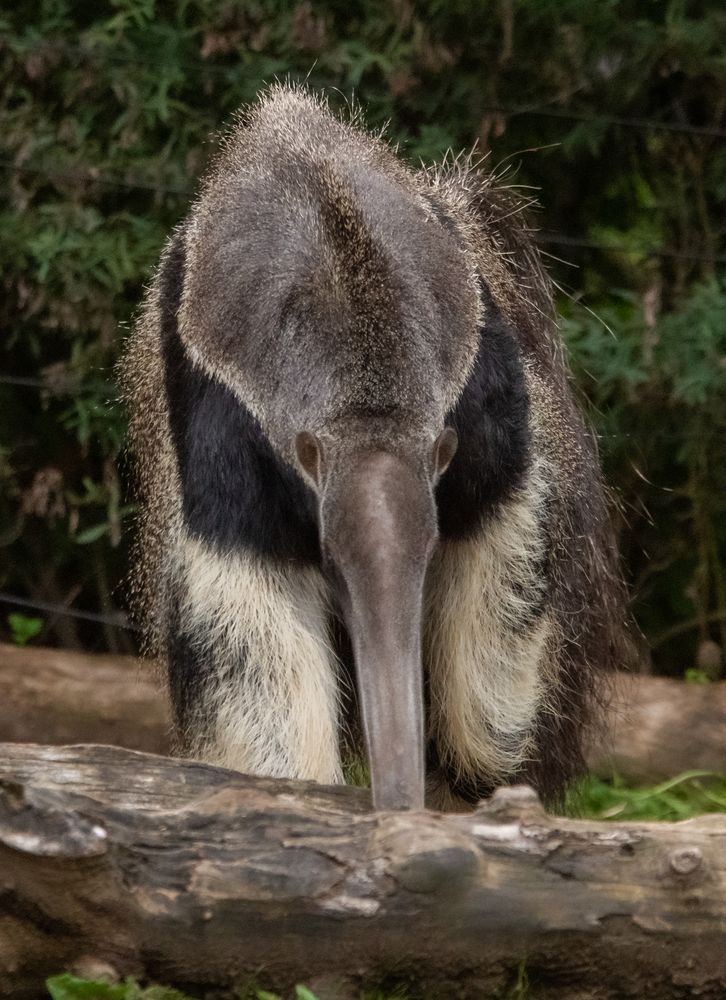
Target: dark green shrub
{"x": 107, "y": 113}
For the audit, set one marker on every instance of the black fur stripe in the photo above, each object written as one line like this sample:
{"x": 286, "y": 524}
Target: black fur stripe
{"x": 491, "y": 419}
{"x": 236, "y": 491}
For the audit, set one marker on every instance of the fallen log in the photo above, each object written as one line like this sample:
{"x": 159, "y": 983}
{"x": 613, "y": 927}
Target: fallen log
{"x": 658, "y": 726}
{"x": 206, "y": 879}
{"x": 63, "y": 696}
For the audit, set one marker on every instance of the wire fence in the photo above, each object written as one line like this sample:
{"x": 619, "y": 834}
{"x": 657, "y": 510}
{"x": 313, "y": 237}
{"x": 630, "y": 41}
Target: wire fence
{"x": 89, "y": 173}
{"x": 85, "y": 54}
{"x": 118, "y": 620}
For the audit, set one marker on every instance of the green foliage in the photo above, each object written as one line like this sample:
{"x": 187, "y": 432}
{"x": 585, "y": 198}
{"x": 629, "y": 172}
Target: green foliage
{"x": 301, "y": 993}
{"x": 356, "y": 772}
{"x": 520, "y": 989}
{"x": 106, "y": 113}
{"x": 24, "y": 628}
{"x": 67, "y": 987}
{"x": 685, "y": 795}
{"x": 658, "y": 401}
{"x": 682, "y": 797}
{"x": 695, "y": 676}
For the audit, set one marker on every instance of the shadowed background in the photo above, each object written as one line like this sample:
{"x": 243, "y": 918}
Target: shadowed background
{"x": 614, "y": 113}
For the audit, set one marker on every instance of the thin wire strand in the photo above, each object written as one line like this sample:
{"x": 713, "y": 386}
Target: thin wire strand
{"x": 547, "y": 238}
{"x": 562, "y": 239}
{"x": 540, "y": 110}
{"x": 117, "y": 621}
{"x": 20, "y": 380}
{"x": 544, "y": 111}
{"x": 623, "y": 436}
{"x": 91, "y": 177}
{"x": 55, "y": 390}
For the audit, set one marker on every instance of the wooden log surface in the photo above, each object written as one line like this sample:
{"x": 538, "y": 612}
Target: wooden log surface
{"x": 191, "y": 875}
{"x": 63, "y": 696}
{"x": 658, "y": 727}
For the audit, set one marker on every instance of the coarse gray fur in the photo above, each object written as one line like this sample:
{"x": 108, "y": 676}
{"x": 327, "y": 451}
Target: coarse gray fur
{"x": 391, "y": 261}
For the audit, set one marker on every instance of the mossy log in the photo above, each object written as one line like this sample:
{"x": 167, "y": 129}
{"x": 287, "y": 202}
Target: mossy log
{"x": 191, "y": 875}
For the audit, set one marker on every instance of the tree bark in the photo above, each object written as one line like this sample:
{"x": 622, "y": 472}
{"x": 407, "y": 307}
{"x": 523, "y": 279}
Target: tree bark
{"x": 657, "y": 726}
{"x": 202, "y": 878}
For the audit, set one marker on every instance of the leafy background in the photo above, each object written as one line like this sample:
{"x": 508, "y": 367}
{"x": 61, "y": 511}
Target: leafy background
{"x": 615, "y": 112}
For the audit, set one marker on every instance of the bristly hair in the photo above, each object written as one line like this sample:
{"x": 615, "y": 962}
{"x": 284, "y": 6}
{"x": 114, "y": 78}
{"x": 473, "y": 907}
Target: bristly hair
{"x": 443, "y": 313}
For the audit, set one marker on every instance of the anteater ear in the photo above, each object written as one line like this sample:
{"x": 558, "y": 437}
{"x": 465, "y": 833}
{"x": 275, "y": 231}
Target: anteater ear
{"x": 310, "y": 455}
{"x": 444, "y": 449}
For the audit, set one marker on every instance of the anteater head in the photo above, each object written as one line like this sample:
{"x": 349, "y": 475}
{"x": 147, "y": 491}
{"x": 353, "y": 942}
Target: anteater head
{"x": 378, "y": 530}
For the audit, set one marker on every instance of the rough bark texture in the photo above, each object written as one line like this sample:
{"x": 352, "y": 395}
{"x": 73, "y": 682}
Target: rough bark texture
{"x": 658, "y": 726}
{"x": 196, "y": 876}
